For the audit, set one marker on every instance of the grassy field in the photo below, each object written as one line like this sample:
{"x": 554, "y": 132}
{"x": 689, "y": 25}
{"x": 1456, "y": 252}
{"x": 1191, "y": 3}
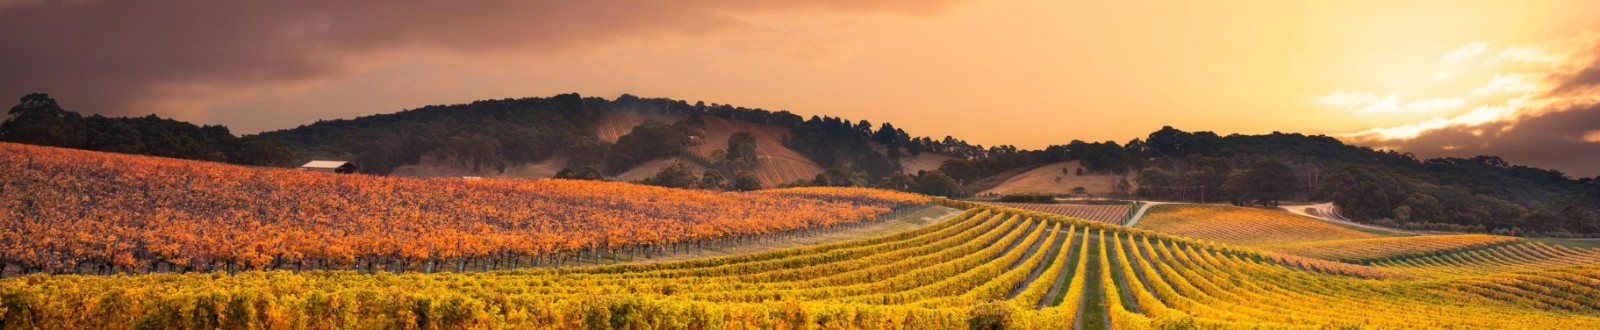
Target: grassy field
{"x": 1057, "y": 178}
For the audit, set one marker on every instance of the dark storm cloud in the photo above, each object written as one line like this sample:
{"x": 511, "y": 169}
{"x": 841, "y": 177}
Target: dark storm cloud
{"x": 103, "y": 56}
{"x": 1553, "y": 140}
{"x": 1588, "y": 77}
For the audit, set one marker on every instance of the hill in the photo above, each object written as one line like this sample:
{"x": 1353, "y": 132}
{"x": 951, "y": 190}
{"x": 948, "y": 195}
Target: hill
{"x": 987, "y": 268}
{"x": 541, "y": 136}
{"x": 531, "y": 137}
{"x": 1058, "y": 179}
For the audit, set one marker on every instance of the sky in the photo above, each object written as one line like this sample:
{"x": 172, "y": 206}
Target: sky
{"x": 1517, "y": 79}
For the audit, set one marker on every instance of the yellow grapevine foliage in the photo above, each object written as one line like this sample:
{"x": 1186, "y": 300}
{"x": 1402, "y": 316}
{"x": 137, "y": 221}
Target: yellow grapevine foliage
{"x": 986, "y": 267}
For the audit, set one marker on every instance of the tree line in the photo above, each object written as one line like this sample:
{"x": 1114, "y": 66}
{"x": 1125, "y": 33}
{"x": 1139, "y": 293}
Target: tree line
{"x": 38, "y": 119}
{"x": 1481, "y": 193}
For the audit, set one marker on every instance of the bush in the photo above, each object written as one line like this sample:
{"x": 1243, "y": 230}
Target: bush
{"x": 1028, "y": 198}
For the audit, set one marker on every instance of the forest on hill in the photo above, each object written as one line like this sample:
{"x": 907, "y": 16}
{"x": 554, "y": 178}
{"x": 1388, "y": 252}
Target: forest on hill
{"x": 1478, "y": 194}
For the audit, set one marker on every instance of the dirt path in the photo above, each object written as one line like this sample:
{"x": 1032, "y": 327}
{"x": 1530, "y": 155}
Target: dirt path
{"x": 1142, "y": 208}
{"x": 925, "y": 216}
{"x": 1327, "y": 212}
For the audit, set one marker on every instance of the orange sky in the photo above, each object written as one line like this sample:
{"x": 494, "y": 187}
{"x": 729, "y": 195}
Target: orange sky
{"x": 1021, "y": 72}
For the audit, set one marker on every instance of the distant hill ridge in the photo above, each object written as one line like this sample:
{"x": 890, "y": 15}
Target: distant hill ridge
{"x": 678, "y": 144}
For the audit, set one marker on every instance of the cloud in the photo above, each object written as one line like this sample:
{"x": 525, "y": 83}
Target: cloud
{"x": 1368, "y": 103}
{"x": 1567, "y": 140}
{"x": 1470, "y": 50}
{"x": 1516, "y": 83}
{"x": 1586, "y": 78}
{"x": 1478, "y": 116}
{"x": 1345, "y": 99}
{"x": 1592, "y": 136}
{"x": 1545, "y": 114}
{"x": 1526, "y": 54}
{"x": 135, "y": 57}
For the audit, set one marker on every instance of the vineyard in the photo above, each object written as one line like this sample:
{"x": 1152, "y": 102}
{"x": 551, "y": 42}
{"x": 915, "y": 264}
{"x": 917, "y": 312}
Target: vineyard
{"x": 1508, "y": 258}
{"x": 1113, "y": 214}
{"x": 1244, "y": 226}
{"x": 1304, "y": 236}
{"x": 70, "y": 211}
{"x": 1360, "y": 250}
{"x": 988, "y": 267}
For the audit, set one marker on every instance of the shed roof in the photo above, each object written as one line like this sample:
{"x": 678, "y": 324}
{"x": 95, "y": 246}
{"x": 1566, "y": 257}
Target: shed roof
{"x": 325, "y": 164}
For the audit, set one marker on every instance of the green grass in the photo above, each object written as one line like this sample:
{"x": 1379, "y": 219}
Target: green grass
{"x": 1568, "y": 242}
{"x": 1093, "y": 312}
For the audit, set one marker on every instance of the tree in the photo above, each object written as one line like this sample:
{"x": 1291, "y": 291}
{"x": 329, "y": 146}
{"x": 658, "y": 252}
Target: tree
{"x": 745, "y": 182}
{"x": 673, "y": 176}
{"x": 741, "y": 153}
{"x": 651, "y": 140}
{"x": 886, "y": 134}
{"x": 1363, "y": 193}
{"x": 587, "y": 173}
{"x": 1266, "y": 183}
{"x": 937, "y": 184}
{"x": 900, "y": 181}
{"x": 257, "y": 151}
{"x": 841, "y": 176}
{"x": 1155, "y": 183}
{"x": 37, "y": 119}
{"x": 711, "y": 179}
{"x": 1123, "y": 186}
{"x": 112, "y": 135}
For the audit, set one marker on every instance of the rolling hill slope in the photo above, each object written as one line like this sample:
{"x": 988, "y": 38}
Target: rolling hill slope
{"x": 1043, "y": 180}
{"x": 775, "y": 163}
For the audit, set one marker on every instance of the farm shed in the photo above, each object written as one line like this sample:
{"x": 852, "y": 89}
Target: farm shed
{"x": 335, "y": 166}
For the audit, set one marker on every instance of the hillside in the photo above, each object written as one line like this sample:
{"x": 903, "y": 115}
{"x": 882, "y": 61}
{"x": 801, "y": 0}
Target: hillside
{"x": 776, "y": 164}
{"x": 988, "y": 267}
{"x": 926, "y": 161}
{"x": 1058, "y": 179}
{"x": 79, "y": 211}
